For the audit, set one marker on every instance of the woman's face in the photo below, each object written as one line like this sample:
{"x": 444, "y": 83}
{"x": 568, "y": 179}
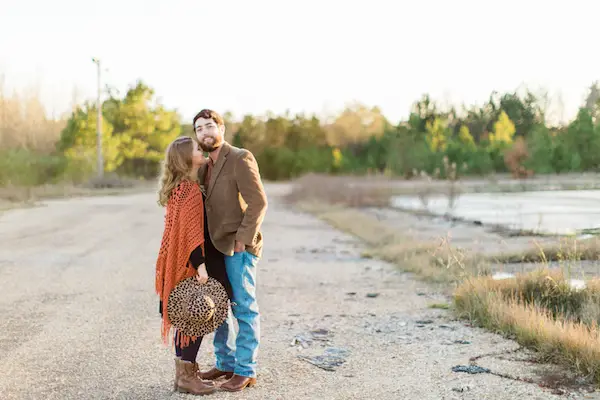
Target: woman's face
{"x": 197, "y": 155}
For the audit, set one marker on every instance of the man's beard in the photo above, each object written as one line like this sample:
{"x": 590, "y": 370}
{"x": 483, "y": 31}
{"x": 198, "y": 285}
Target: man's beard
{"x": 210, "y": 147}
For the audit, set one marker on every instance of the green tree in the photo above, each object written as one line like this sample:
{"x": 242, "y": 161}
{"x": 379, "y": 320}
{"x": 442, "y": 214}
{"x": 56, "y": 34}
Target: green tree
{"x": 409, "y": 151}
{"x": 305, "y": 133}
{"x": 542, "y": 149}
{"x": 136, "y": 132}
{"x": 583, "y": 138}
{"x": 251, "y": 134}
{"x": 78, "y": 141}
{"x": 524, "y": 113}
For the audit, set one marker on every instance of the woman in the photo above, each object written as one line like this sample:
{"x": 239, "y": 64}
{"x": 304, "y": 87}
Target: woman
{"x": 185, "y": 243}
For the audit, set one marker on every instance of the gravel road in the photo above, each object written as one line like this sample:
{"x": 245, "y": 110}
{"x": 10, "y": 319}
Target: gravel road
{"x": 79, "y": 316}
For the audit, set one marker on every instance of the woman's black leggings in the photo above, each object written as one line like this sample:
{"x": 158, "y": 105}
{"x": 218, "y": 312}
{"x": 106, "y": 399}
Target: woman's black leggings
{"x": 190, "y": 352}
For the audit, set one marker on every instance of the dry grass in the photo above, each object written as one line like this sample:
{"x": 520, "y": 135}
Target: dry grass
{"x": 541, "y": 311}
{"x": 547, "y": 288}
{"x": 24, "y": 124}
{"x": 28, "y": 138}
{"x": 566, "y": 249}
{"x": 345, "y": 191}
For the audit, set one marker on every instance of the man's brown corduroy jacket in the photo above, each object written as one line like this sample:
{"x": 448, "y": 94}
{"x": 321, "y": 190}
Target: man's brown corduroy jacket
{"x": 236, "y": 202}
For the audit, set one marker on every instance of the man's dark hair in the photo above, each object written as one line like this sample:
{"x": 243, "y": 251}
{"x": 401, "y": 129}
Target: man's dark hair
{"x": 208, "y": 114}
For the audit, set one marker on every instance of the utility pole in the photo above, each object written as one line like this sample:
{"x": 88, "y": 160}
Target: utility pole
{"x": 100, "y": 166}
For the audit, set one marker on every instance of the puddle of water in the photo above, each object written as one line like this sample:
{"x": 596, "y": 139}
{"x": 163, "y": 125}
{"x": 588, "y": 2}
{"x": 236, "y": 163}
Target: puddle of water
{"x": 502, "y": 275}
{"x": 577, "y": 284}
{"x": 551, "y": 212}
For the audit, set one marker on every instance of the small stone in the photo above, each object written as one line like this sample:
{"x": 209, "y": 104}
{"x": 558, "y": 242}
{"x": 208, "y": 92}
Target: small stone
{"x": 320, "y": 334}
{"x": 470, "y": 369}
{"x": 461, "y": 389}
{"x": 461, "y": 341}
{"x": 424, "y": 321}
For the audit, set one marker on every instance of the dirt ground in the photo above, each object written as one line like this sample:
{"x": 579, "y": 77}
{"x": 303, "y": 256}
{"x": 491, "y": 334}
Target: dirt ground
{"x": 79, "y": 316}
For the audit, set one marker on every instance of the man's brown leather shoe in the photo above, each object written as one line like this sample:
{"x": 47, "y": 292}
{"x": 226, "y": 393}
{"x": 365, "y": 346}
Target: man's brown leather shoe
{"x": 213, "y": 374}
{"x": 238, "y": 383}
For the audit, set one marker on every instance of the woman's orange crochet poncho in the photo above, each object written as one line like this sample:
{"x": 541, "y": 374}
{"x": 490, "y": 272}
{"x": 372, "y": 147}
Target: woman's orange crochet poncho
{"x": 183, "y": 232}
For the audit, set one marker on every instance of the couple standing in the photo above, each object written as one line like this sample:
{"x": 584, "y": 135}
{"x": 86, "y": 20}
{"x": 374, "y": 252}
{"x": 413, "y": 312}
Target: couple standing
{"x": 215, "y": 208}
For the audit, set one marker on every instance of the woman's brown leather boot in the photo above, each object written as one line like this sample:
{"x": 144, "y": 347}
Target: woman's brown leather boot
{"x": 177, "y": 372}
{"x": 188, "y": 380}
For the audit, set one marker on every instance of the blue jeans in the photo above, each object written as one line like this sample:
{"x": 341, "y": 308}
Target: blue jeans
{"x": 238, "y": 354}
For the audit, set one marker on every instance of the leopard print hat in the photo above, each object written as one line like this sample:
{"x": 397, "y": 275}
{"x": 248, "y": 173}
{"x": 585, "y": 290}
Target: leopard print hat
{"x": 197, "y": 309}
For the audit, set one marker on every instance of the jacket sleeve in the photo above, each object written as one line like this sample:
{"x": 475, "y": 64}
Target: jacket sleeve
{"x": 251, "y": 188}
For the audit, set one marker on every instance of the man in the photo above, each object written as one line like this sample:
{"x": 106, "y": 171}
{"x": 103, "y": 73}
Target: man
{"x": 236, "y": 204}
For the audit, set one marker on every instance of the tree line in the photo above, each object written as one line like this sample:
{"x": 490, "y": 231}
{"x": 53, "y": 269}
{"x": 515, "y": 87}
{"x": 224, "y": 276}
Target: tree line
{"x": 507, "y": 133}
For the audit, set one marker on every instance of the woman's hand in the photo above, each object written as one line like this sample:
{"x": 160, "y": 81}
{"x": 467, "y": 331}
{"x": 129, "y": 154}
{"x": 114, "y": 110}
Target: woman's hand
{"x": 202, "y": 275}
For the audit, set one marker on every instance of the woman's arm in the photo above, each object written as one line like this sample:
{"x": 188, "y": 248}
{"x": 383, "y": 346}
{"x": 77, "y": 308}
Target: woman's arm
{"x": 197, "y": 257}
{"x": 197, "y": 260}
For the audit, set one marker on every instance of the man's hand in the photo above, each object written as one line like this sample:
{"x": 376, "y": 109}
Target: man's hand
{"x": 202, "y": 275}
{"x": 239, "y": 247}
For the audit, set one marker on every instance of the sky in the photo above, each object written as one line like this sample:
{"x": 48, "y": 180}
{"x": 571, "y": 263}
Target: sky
{"x": 302, "y": 56}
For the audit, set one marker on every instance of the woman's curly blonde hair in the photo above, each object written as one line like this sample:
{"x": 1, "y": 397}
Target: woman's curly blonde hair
{"x": 176, "y": 167}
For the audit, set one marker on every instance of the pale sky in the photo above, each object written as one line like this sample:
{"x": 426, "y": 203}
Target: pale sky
{"x": 312, "y": 56}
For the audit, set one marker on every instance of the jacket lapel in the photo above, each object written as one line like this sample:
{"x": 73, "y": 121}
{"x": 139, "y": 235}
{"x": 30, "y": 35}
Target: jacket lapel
{"x": 218, "y": 166}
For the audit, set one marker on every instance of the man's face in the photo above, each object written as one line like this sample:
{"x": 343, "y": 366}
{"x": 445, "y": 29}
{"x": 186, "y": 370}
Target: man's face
{"x": 209, "y": 134}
